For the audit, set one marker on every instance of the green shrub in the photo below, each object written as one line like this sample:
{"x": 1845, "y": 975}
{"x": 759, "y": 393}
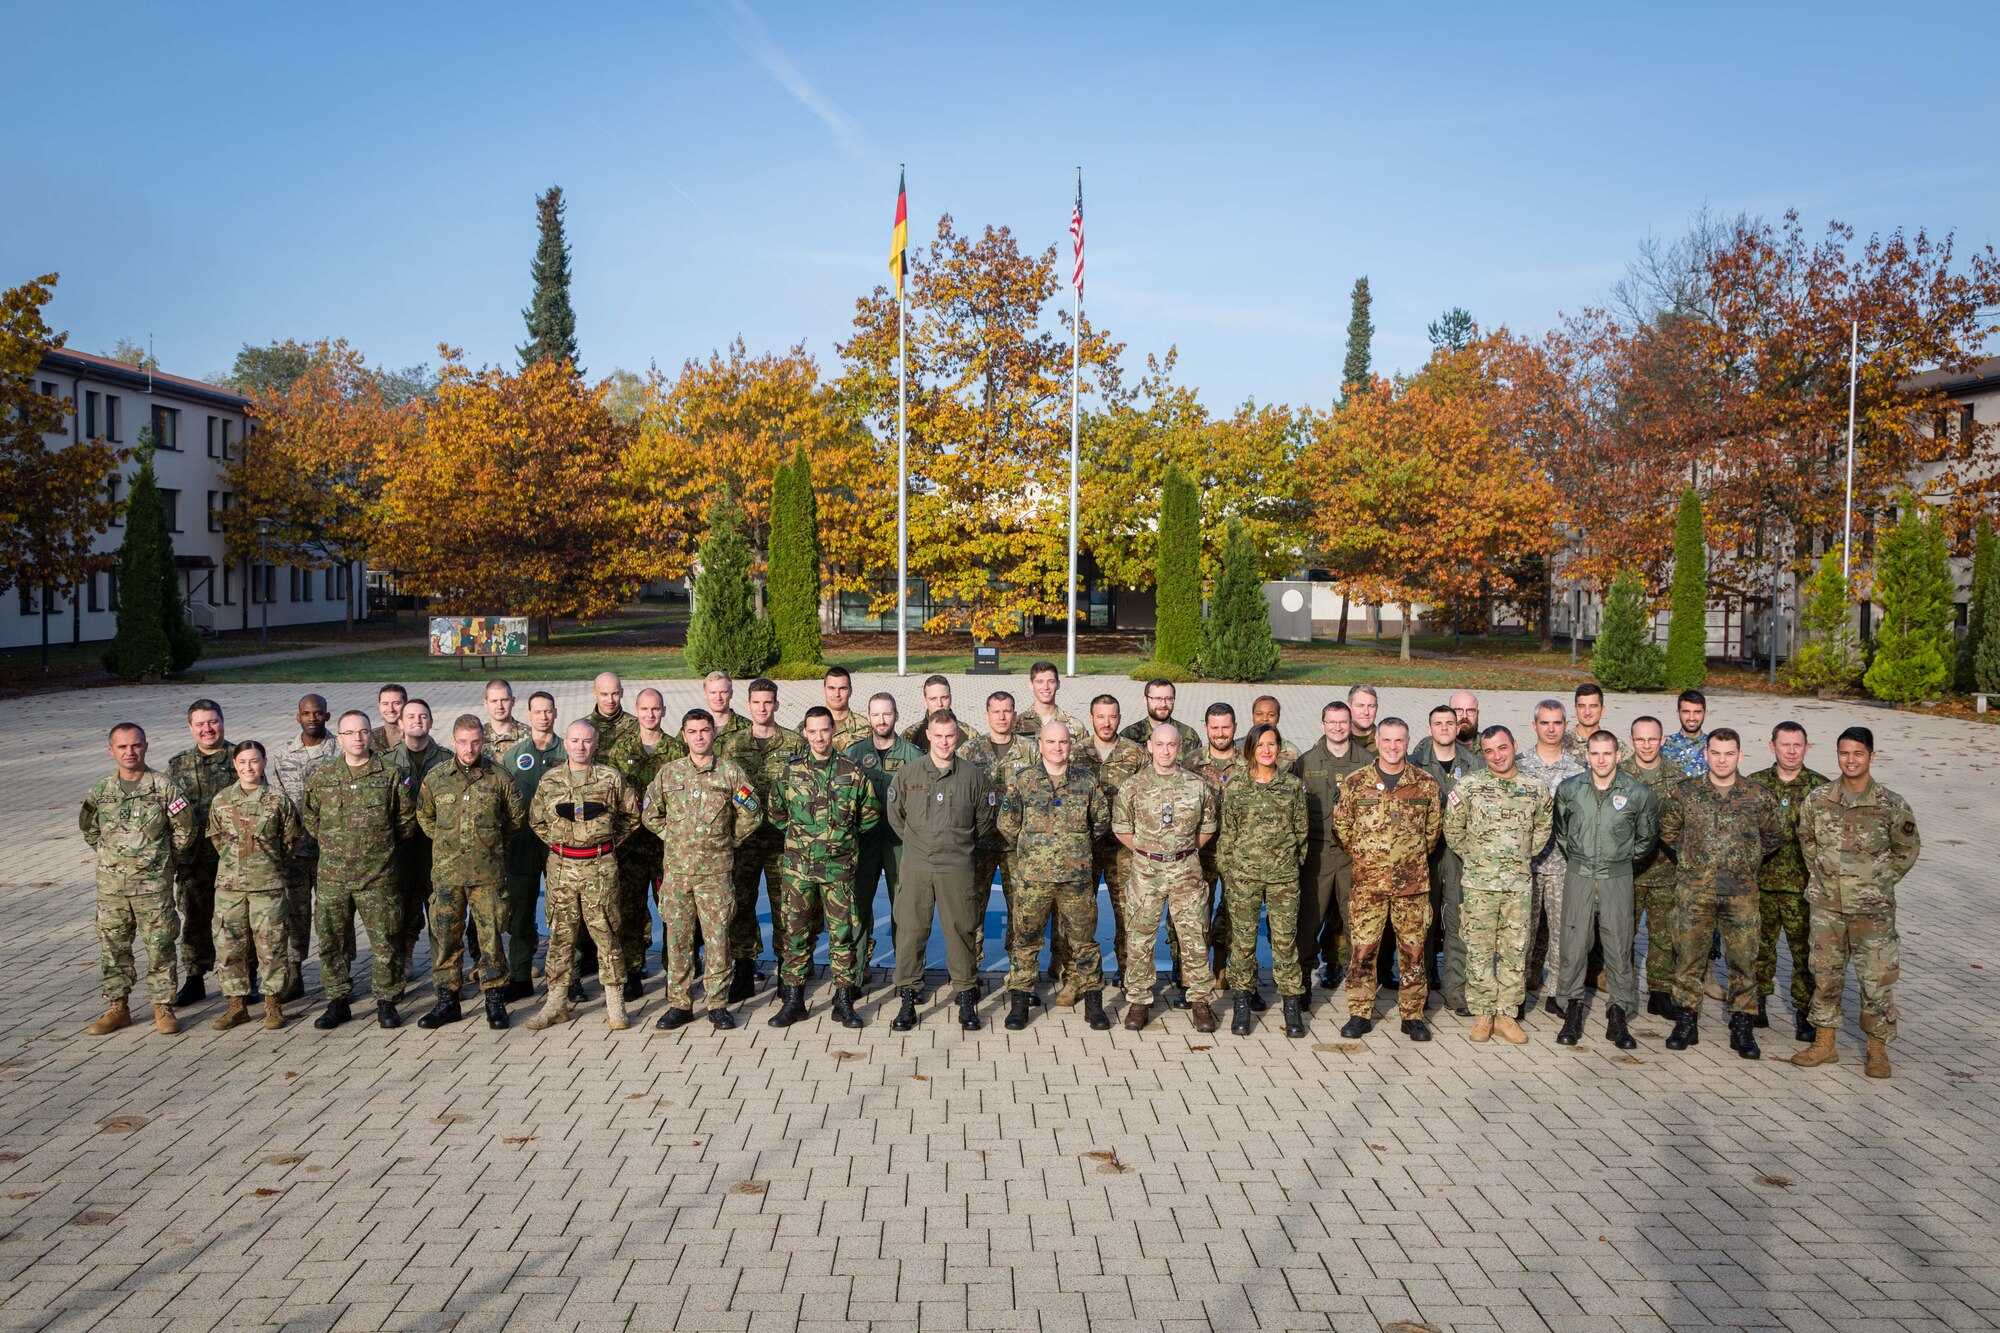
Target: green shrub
{"x": 725, "y": 633}
{"x": 1625, "y": 656}
{"x": 1236, "y": 637}
{"x": 1985, "y": 554}
{"x": 1913, "y": 648}
{"x": 1830, "y": 657}
{"x": 1157, "y": 670}
{"x": 1687, "y": 632}
{"x": 154, "y": 635}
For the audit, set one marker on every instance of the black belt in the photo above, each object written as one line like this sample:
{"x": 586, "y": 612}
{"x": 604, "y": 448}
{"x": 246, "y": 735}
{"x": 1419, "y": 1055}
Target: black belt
{"x": 1166, "y": 859}
{"x": 570, "y": 853}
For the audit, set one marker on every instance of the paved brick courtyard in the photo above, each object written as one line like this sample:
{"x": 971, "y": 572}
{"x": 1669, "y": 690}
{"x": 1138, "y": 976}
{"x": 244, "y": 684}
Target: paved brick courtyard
{"x": 1055, "y": 1178}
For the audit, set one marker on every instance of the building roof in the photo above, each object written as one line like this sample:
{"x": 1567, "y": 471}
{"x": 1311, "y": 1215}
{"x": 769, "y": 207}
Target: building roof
{"x": 69, "y": 362}
{"x": 1984, "y": 377}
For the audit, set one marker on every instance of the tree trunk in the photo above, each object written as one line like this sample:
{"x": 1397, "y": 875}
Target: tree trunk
{"x": 1406, "y": 632}
{"x": 1341, "y": 637}
{"x": 347, "y": 602}
{"x": 547, "y": 622}
{"x": 1548, "y": 608}
{"x": 1375, "y": 620}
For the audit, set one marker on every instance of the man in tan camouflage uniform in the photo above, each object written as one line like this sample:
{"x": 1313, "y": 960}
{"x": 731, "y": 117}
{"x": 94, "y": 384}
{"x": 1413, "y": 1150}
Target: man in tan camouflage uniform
{"x": 1858, "y": 839}
{"x": 200, "y": 771}
{"x": 1043, "y": 682}
{"x": 254, "y": 828}
{"x": 470, "y": 809}
{"x": 1165, "y": 815}
{"x": 999, "y": 754}
{"x": 137, "y": 822}
{"x": 1052, "y": 815}
{"x": 700, "y": 808}
{"x": 1262, "y": 836}
{"x": 1589, "y": 721}
{"x": 637, "y": 755}
{"x": 313, "y": 746}
{"x": 1388, "y": 819}
{"x": 1546, "y": 759}
{"x": 582, "y": 811}
{"x": 1496, "y": 820}
{"x": 1112, "y": 760}
{"x": 358, "y": 808}
{"x": 761, "y": 747}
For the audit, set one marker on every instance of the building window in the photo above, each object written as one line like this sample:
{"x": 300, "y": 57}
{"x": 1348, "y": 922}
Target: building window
{"x": 111, "y": 419}
{"x": 172, "y": 500}
{"x": 90, "y": 414}
{"x": 306, "y": 584}
{"x": 167, "y": 428}
{"x": 228, "y": 585}
{"x": 90, "y": 591}
{"x": 27, "y": 600}
{"x": 217, "y": 502}
{"x": 111, "y": 494}
{"x": 212, "y": 591}
{"x": 1968, "y": 424}
{"x": 212, "y": 439}
{"x": 270, "y": 584}
{"x": 226, "y": 425}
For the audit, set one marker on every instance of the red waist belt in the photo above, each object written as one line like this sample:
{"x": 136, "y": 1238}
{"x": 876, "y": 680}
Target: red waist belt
{"x": 570, "y": 853}
{"x": 1169, "y": 860}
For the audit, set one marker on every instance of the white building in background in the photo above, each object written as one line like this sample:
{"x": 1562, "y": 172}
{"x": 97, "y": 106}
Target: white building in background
{"x": 198, "y": 428}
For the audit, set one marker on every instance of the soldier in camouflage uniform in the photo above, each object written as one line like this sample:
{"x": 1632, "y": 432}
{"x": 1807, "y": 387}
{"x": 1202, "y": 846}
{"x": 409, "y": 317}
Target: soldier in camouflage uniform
{"x": 1160, "y": 695}
{"x": 1441, "y": 755}
{"x": 700, "y": 808}
{"x": 1653, "y": 878}
{"x": 937, "y": 699}
{"x": 1113, "y": 760}
{"x": 470, "y": 809}
{"x": 881, "y": 754}
{"x": 137, "y": 822}
{"x": 1687, "y": 749}
{"x": 1858, "y": 840}
{"x": 1327, "y": 879}
{"x": 1496, "y": 819}
{"x": 358, "y": 808}
{"x": 295, "y": 762}
{"x": 614, "y": 728}
{"x": 1052, "y": 815}
{"x": 389, "y": 701}
{"x": 1721, "y": 828}
{"x": 1262, "y": 834}
{"x": 718, "y": 690}
{"x": 1781, "y": 884}
{"x": 638, "y": 755}
{"x": 1388, "y": 819}
{"x": 501, "y": 728}
{"x": 761, "y": 748}
{"x": 1219, "y": 759}
{"x": 582, "y": 811}
{"x": 200, "y": 771}
{"x": 822, "y": 804}
{"x": 254, "y": 828}
{"x": 415, "y": 757}
{"x": 1043, "y": 682}
{"x": 849, "y": 726}
{"x": 1165, "y": 815}
{"x": 1362, "y": 705}
{"x": 999, "y": 754}
{"x": 1589, "y": 721}
{"x": 1264, "y": 712}
{"x": 608, "y": 716}
{"x": 1548, "y": 762}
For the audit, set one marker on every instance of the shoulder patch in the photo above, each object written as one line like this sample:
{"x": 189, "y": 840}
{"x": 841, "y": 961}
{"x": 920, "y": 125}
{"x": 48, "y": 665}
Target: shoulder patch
{"x": 179, "y": 803}
{"x": 743, "y": 795}
{"x": 524, "y": 761}
{"x": 992, "y": 797}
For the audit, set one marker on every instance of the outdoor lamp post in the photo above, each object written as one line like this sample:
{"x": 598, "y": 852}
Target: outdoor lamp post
{"x": 263, "y": 532}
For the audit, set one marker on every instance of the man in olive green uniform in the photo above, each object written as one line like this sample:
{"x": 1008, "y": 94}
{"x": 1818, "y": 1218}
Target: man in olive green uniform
{"x": 293, "y": 764}
{"x": 533, "y": 755}
{"x": 638, "y": 754}
{"x": 416, "y": 756}
{"x": 1449, "y": 763}
{"x": 700, "y": 808}
{"x": 358, "y": 808}
{"x": 941, "y": 807}
{"x": 1721, "y": 828}
{"x": 1112, "y": 759}
{"x": 1653, "y": 875}
{"x": 608, "y": 715}
{"x": 200, "y": 771}
{"x": 253, "y": 829}
{"x": 1606, "y": 822}
{"x": 1858, "y": 840}
{"x": 1327, "y": 878}
{"x": 1363, "y": 703}
{"x": 1781, "y": 883}
{"x": 471, "y": 810}
{"x": 1496, "y": 820}
{"x": 1388, "y": 818}
{"x": 1165, "y": 815}
{"x": 1000, "y": 754}
{"x": 849, "y": 725}
{"x": 582, "y": 811}
{"x": 137, "y": 822}
{"x": 1262, "y": 836}
{"x": 881, "y": 754}
{"x": 1052, "y": 816}
{"x": 761, "y": 748}
{"x": 1160, "y": 696}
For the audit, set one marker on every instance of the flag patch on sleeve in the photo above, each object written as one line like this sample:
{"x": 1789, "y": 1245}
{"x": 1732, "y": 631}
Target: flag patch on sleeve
{"x": 744, "y": 795}
{"x": 178, "y": 804}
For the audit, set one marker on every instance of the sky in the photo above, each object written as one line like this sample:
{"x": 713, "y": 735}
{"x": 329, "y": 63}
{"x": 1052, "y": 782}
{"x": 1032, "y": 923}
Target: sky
{"x": 212, "y": 175}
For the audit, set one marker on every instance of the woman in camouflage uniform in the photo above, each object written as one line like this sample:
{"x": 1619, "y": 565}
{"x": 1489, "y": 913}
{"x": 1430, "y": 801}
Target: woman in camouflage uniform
{"x": 253, "y": 827}
{"x": 1262, "y": 844}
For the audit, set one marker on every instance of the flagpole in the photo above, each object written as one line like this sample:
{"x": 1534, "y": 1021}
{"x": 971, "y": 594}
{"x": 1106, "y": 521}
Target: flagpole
{"x": 1847, "y": 510}
{"x": 1075, "y": 381}
{"x": 902, "y": 484}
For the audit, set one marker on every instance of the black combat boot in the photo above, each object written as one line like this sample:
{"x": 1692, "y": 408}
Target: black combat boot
{"x": 1295, "y": 1016}
{"x": 1802, "y": 1027}
{"x": 721, "y": 1020}
{"x": 1180, "y": 989}
{"x": 906, "y": 1017}
{"x": 1093, "y": 1011}
{"x": 337, "y": 1012}
{"x": 1258, "y": 1004}
{"x": 1763, "y": 1018}
{"x": 1017, "y": 1011}
{"x": 496, "y": 1010}
{"x": 968, "y": 1010}
{"x": 576, "y": 994}
{"x": 1660, "y": 1004}
{"x": 1242, "y": 1023}
{"x": 445, "y": 1010}
{"x": 1416, "y": 1029}
{"x": 843, "y": 1007}
{"x": 1357, "y": 1026}
{"x": 386, "y": 1015}
{"x": 1572, "y": 1025}
{"x": 743, "y": 980}
{"x": 1554, "y": 1006}
{"x": 675, "y": 1018}
{"x": 635, "y": 987}
{"x": 296, "y": 988}
{"x": 193, "y": 992}
{"x": 1614, "y": 1029}
{"x": 1686, "y": 1033}
{"x": 518, "y": 990}
{"x": 255, "y": 996}
{"x": 794, "y": 1007}
{"x": 1742, "y": 1038}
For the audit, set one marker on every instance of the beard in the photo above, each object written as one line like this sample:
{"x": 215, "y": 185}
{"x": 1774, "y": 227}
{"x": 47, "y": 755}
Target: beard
{"x": 1468, "y": 730}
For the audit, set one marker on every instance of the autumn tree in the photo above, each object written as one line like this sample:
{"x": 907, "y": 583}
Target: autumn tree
{"x": 550, "y": 318}
{"x": 154, "y": 637}
{"x": 315, "y": 464}
{"x": 1913, "y": 586}
{"x": 989, "y": 402}
{"x": 54, "y": 504}
{"x": 511, "y": 500}
{"x": 269, "y": 371}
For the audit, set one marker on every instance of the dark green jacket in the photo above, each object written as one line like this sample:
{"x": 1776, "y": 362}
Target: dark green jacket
{"x": 941, "y": 816}
{"x": 1604, "y": 833}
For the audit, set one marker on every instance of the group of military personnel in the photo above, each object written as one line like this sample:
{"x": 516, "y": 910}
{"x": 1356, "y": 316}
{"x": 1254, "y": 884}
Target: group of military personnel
{"x": 1467, "y": 869}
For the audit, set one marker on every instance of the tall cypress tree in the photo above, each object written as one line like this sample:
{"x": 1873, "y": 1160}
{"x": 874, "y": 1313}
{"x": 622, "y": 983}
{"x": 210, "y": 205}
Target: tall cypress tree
{"x": 1985, "y": 551}
{"x": 1687, "y": 633}
{"x": 725, "y": 633}
{"x": 1236, "y": 638}
{"x": 154, "y": 636}
{"x": 1986, "y": 651}
{"x": 1357, "y": 373}
{"x": 1913, "y": 648}
{"x": 550, "y": 318}
{"x": 1177, "y": 637}
{"x": 791, "y": 590}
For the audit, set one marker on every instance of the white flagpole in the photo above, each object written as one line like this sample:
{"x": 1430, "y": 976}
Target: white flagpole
{"x": 902, "y": 478}
{"x": 1847, "y": 521}
{"x": 1075, "y": 381}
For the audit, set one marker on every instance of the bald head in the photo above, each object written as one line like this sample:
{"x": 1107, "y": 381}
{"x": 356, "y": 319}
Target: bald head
{"x": 610, "y": 692}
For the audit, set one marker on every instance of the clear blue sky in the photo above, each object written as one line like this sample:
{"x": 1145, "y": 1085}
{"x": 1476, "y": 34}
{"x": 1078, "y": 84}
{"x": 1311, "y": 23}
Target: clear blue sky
{"x": 220, "y": 174}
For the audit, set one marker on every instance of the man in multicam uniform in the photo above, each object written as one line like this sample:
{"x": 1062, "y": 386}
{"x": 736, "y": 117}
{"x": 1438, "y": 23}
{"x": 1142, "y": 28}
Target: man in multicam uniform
{"x": 1160, "y": 696}
{"x": 254, "y": 828}
{"x": 1858, "y": 839}
{"x": 1781, "y": 884}
{"x": 614, "y": 726}
{"x": 1218, "y": 760}
{"x": 1261, "y": 834}
{"x": 849, "y": 726}
{"x": 999, "y": 754}
{"x": 1165, "y": 815}
{"x": 137, "y": 822}
{"x": 1552, "y": 765}
{"x": 700, "y": 808}
{"x": 822, "y": 804}
{"x": 389, "y": 701}
{"x": 1589, "y": 721}
{"x": 582, "y": 811}
{"x": 1721, "y": 828}
{"x": 471, "y": 810}
{"x": 1388, "y": 818}
{"x": 638, "y": 754}
{"x": 881, "y": 754}
{"x": 1496, "y": 820}
{"x": 1043, "y": 682}
{"x": 358, "y": 808}
{"x": 761, "y": 747}
{"x": 1112, "y": 760}
{"x": 200, "y": 771}
{"x": 1052, "y": 816}
{"x": 1653, "y": 884}
{"x": 313, "y": 746}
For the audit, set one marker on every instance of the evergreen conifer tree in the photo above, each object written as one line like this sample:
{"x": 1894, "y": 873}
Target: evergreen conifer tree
{"x": 1986, "y": 655}
{"x": 1985, "y": 550}
{"x": 1830, "y": 658}
{"x": 1357, "y": 373}
{"x": 550, "y": 318}
{"x": 1687, "y": 633}
{"x": 1913, "y": 647}
{"x": 1625, "y": 656}
{"x": 791, "y": 590}
{"x": 725, "y": 633}
{"x": 1177, "y": 638}
{"x": 154, "y": 636}
{"x": 1236, "y": 637}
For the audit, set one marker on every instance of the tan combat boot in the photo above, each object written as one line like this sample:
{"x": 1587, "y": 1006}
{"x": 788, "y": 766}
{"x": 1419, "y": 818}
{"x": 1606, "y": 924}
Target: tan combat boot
{"x": 1482, "y": 1029}
{"x": 1878, "y": 1058}
{"x": 274, "y": 1013}
{"x": 237, "y": 1012}
{"x": 117, "y": 1014}
{"x": 1509, "y": 1030}
{"x": 1066, "y": 993}
{"x": 1821, "y": 1051}
{"x": 164, "y": 1021}
{"x": 614, "y": 1008}
{"x": 555, "y": 1009}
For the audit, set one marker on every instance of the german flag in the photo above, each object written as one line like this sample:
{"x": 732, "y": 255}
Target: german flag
{"x": 899, "y": 240}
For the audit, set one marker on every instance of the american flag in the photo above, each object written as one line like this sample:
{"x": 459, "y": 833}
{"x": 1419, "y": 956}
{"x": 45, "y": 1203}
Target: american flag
{"x": 1076, "y": 235}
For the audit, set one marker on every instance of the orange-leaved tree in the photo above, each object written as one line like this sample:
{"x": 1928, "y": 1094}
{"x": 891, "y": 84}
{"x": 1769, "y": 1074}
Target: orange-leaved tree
{"x": 512, "y": 500}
